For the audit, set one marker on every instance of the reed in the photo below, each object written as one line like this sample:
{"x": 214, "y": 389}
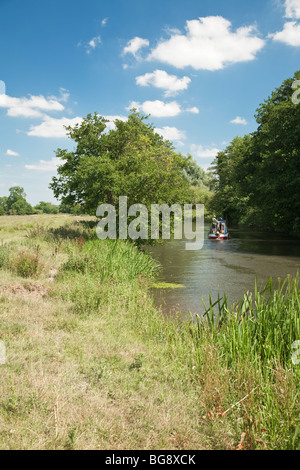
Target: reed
{"x": 262, "y": 327}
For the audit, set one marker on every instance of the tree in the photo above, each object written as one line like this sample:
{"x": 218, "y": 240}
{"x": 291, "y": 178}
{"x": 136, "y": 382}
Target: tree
{"x": 231, "y": 199}
{"x": 274, "y": 168}
{"x": 130, "y": 160}
{"x": 259, "y": 175}
{"x": 194, "y": 174}
{"x": 47, "y": 207}
{"x": 21, "y": 207}
{"x": 3, "y": 205}
{"x": 16, "y": 202}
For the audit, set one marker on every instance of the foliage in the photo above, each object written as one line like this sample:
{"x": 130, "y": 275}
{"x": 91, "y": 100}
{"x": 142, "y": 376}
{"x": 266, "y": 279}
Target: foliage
{"x": 129, "y": 160}
{"x": 259, "y": 174}
{"x": 47, "y": 207}
{"x": 26, "y": 264}
{"x": 195, "y": 175}
{"x": 15, "y": 203}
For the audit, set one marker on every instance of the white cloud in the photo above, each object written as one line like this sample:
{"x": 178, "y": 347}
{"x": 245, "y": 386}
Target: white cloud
{"x": 29, "y": 107}
{"x": 202, "y": 152}
{"x": 104, "y": 21}
{"x": 157, "y": 108}
{"x": 161, "y": 79}
{"x": 92, "y": 44}
{"x": 52, "y": 127}
{"x": 209, "y": 44}
{"x": 45, "y": 165}
{"x": 290, "y": 34}
{"x": 135, "y": 45}
{"x": 292, "y": 9}
{"x": 172, "y": 134}
{"x": 12, "y": 153}
{"x": 193, "y": 110}
{"x": 239, "y": 120}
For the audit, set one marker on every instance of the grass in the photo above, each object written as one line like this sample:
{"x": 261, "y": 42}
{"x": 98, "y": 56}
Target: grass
{"x": 92, "y": 364}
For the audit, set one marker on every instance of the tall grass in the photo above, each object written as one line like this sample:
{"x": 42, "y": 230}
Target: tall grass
{"x": 110, "y": 260}
{"x": 261, "y": 328}
{"x": 253, "y": 340}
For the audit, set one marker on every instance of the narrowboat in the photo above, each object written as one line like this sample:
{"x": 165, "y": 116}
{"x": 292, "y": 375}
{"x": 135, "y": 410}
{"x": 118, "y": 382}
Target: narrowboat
{"x": 218, "y": 231}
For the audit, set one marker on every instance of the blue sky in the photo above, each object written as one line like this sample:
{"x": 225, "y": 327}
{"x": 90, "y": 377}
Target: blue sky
{"x": 200, "y": 68}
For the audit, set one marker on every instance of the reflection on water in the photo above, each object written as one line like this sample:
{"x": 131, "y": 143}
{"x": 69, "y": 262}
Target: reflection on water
{"x": 222, "y": 266}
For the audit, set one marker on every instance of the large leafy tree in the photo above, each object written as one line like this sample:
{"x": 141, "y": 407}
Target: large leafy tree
{"x": 130, "y": 160}
{"x": 275, "y": 163}
{"x": 258, "y": 176}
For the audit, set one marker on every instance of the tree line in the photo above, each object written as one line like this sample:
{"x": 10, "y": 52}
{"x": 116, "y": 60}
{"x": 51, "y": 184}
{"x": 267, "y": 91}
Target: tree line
{"x": 16, "y": 204}
{"x": 257, "y": 176}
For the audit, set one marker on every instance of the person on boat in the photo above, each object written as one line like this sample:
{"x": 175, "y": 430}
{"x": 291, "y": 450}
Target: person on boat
{"x": 214, "y": 221}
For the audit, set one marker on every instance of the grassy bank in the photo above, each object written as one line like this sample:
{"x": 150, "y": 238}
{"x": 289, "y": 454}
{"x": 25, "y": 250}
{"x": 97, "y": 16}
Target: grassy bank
{"x": 92, "y": 364}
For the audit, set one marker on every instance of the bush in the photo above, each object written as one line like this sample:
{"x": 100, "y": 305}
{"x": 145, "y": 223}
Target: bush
{"x": 26, "y": 264}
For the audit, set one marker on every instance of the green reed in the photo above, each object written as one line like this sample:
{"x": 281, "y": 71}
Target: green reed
{"x": 262, "y": 327}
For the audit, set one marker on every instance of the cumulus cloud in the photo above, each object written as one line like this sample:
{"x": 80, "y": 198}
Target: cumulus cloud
{"x": 45, "y": 165}
{"x": 292, "y": 9}
{"x": 157, "y": 108}
{"x": 52, "y": 127}
{"x": 135, "y": 45}
{"x": 172, "y": 134}
{"x": 31, "y": 107}
{"x": 208, "y": 44}
{"x": 104, "y": 21}
{"x": 12, "y": 153}
{"x": 161, "y": 79}
{"x": 290, "y": 34}
{"x": 202, "y": 152}
{"x": 239, "y": 120}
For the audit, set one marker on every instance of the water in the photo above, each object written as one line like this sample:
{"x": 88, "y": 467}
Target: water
{"x": 222, "y": 266}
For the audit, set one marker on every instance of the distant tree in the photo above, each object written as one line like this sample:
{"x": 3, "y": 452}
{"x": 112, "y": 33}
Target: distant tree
{"x": 64, "y": 208}
{"x": 231, "y": 199}
{"x": 21, "y": 207}
{"x": 194, "y": 174}
{"x": 47, "y": 207}
{"x": 3, "y": 205}
{"x": 16, "y": 202}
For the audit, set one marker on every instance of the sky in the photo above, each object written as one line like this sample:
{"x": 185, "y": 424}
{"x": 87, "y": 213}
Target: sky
{"x": 200, "y": 68}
